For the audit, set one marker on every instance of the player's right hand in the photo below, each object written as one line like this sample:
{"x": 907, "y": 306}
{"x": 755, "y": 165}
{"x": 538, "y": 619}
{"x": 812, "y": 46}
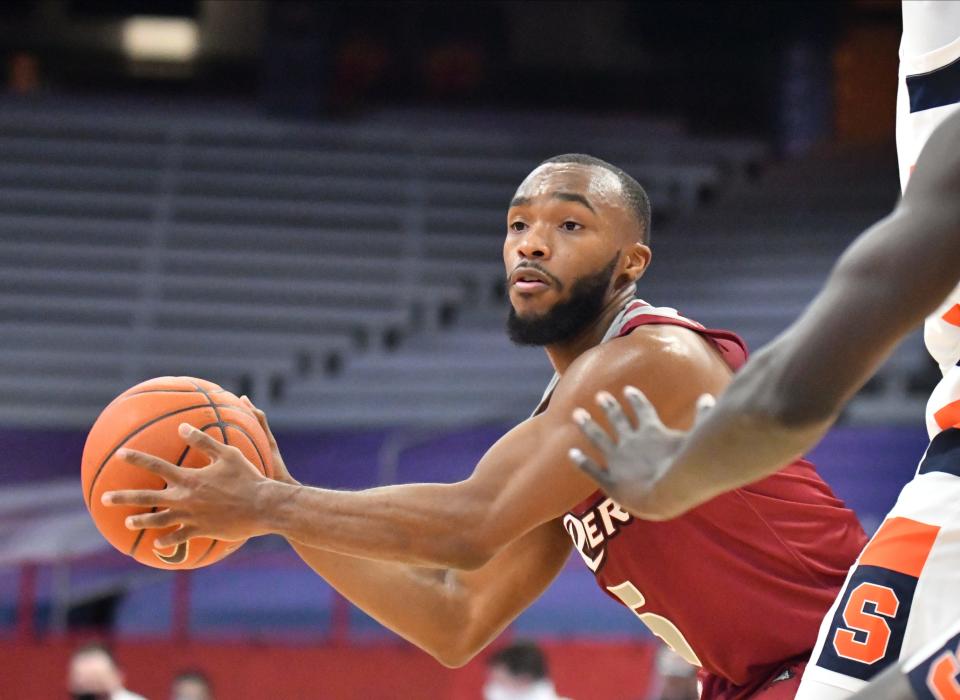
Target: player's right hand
{"x": 636, "y": 457}
{"x": 280, "y": 472}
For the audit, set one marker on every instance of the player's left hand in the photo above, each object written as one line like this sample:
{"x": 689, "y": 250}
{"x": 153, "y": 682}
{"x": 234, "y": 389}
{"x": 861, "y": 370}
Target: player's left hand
{"x": 219, "y": 501}
{"x": 636, "y": 457}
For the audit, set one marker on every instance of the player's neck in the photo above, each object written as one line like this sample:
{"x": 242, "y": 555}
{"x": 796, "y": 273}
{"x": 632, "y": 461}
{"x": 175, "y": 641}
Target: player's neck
{"x": 563, "y": 354}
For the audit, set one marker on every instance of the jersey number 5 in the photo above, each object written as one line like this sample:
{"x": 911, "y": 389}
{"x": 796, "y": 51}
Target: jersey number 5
{"x": 867, "y": 634}
{"x": 659, "y": 625}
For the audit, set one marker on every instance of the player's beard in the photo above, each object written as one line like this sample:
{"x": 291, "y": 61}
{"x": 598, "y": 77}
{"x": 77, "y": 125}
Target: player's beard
{"x": 566, "y": 319}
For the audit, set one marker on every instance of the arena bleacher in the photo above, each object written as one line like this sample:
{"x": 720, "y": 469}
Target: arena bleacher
{"x": 351, "y": 273}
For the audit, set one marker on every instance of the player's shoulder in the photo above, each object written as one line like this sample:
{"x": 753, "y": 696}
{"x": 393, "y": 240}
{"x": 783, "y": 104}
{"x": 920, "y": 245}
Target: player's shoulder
{"x": 651, "y": 346}
{"x": 649, "y": 355}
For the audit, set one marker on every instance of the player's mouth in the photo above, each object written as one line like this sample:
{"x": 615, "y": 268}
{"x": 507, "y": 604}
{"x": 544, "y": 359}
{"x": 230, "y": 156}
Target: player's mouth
{"x": 529, "y": 280}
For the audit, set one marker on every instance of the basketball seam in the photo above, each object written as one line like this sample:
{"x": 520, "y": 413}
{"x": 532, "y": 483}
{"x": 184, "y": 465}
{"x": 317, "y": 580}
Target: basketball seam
{"x": 139, "y": 430}
{"x": 226, "y": 441}
{"x": 136, "y": 542}
{"x": 125, "y": 396}
{"x": 213, "y": 543}
{"x": 179, "y": 462}
{"x": 215, "y": 411}
{"x": 263, "y": 465}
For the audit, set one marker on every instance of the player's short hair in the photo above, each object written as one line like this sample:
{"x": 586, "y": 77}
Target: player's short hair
{"x": 521, "y": 658}
{"x": 633, "y": 191}
{"x": 90, "y": 648}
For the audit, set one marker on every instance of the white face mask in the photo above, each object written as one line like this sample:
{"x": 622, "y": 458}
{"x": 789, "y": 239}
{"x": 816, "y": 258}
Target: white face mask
{"x": 541, "y": 690}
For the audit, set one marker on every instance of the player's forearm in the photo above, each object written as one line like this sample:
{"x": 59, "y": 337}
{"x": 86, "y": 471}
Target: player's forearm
{"x": 892, "y": 684}
{"x": 425, "y": 607}
{"x": 421, "y": 524}
{"x": 788, "y": 395}
{"x": 450, "y": 614}
{"x": 730, "y": 448}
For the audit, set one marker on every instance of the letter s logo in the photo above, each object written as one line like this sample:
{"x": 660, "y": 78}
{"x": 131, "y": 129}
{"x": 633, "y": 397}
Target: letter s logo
{"x": 867, "y": 634}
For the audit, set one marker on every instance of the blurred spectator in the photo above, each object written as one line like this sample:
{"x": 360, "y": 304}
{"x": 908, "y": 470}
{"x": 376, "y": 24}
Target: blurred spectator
{"x": 676, "y": 679}
{"x": 519, "y": 672}
{"x": 94, "y": 675}
{"x": 191, "y": 685}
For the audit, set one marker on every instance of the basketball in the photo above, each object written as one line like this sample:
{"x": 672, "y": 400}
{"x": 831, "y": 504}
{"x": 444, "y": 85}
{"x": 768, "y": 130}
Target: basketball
{"x": 146, "y": 418}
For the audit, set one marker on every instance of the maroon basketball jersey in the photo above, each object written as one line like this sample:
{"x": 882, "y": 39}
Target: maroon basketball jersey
{"x": 739, "y": 585}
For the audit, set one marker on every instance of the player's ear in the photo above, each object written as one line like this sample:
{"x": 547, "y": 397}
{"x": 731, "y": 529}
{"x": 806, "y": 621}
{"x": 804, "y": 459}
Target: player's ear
{"x": 636, "y": 259}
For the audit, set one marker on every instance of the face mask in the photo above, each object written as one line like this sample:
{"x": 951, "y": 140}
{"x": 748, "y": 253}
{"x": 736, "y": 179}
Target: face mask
{"x": 541, "y": 690}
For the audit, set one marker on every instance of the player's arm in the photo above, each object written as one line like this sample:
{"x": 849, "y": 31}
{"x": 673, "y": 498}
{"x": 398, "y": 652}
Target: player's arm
{"x": 450, "y": 614}
{"x": 522, "y": 482}
{"x": 892, "y": 684}
{"x": 788, "y": 395}
{"x": 931, "y": 673}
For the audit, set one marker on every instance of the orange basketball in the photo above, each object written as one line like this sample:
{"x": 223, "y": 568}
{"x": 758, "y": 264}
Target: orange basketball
{"x": 145, "y": 418}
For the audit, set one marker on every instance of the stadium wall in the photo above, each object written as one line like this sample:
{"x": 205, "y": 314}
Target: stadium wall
{"x": 581, "y": 670}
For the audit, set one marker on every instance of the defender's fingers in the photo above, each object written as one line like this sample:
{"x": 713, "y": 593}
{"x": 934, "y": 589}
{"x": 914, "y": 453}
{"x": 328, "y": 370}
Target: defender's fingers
{"x": 704, "y": 404}
{"x": 163, "y": 518}
{"x": 136, "y": 498}
{"x": 172, "y": 539}
{"x": 202, "y": 441}
{"x": 262, "y": 419}
{"x": 618, "y": 419}
{"x": 590, "y": 468}
{"x": 158, "y": 466}
{"x": 646, "y": 413}
{"x": 594, "y": 432}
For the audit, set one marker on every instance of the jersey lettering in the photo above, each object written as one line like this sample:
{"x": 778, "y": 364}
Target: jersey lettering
{"x": 659, "y": 625}
{"x": 591, "y": 530}
{"x": 942, "y": 677}
{"x": 867, "y": 634}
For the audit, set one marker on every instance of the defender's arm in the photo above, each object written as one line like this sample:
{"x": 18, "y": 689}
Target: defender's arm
{"x": 787, "y": 396}
{"x": 892, "y": 684}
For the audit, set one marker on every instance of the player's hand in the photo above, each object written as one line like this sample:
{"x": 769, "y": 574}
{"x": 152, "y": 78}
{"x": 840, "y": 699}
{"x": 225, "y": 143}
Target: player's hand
{"x": 223, "y": 500}
{"x": 636, "y": 456}
{"x": 280, "y": 471}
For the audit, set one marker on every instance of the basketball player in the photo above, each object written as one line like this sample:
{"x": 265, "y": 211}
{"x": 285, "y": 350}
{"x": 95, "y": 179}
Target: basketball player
{"x": 737, "y": 587}
{"x": 904, "y": 588}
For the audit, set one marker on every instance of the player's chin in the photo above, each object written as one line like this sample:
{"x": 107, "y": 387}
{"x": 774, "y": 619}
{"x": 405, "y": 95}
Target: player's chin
{"x": 527, "y": 304}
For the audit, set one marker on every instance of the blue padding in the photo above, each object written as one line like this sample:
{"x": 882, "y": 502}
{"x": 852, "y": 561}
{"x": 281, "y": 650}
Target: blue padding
{"x": 936, "y": 88}
{"x": 943, "y": 455}
{"x": 575, "y": 606}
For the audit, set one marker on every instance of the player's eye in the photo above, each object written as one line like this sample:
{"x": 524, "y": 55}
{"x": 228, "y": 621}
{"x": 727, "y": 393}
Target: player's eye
{"x": 518, "y": 226}
{"x": 570, "y": 226}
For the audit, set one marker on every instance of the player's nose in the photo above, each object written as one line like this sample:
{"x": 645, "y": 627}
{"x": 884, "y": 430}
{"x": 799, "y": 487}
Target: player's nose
{"x": 533, "y": 245}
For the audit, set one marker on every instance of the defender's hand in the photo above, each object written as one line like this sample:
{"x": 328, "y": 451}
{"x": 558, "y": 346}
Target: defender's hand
{"x": 636, "y": 457}
{"x": 222, "y": 501}
{"x": 280, "y": 471}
